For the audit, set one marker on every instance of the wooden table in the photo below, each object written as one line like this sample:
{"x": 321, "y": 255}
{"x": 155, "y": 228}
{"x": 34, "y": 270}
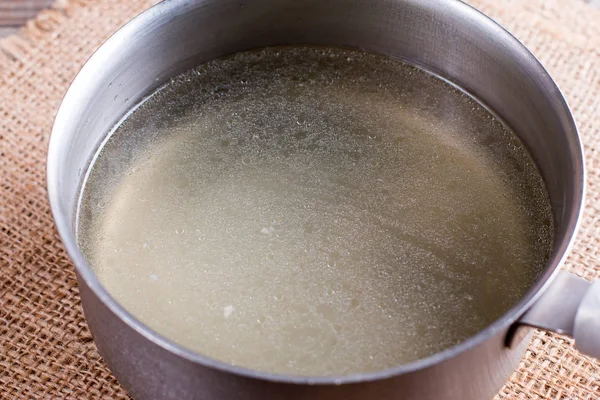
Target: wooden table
{"x": 15, "y": 13}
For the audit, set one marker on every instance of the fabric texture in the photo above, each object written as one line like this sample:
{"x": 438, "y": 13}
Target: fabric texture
{"x": 46, "y": 350}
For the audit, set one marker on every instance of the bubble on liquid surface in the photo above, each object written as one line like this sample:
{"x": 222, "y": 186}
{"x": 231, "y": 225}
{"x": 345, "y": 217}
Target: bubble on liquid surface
{"x": 314, "y": 211}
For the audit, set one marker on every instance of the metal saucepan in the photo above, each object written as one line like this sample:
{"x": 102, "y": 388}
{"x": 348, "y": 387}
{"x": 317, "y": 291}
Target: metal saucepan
{"x": 446, "y": 37}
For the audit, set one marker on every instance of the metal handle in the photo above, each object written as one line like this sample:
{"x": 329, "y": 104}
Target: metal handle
{"x": 570, "y": 306}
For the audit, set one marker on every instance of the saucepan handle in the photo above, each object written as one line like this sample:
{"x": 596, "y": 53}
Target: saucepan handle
{"x": 569, "y": 306}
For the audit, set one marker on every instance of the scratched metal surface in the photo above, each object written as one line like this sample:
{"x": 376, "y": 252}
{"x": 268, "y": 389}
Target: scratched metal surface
{"x": 15, "y": 13}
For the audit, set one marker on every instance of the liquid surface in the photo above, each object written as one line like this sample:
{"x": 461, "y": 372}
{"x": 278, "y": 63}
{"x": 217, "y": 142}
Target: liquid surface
{"x": 314, "y": 211}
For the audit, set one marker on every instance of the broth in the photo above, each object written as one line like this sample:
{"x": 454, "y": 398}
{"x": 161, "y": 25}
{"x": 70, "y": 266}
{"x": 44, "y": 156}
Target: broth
{"x": 314, "y": 211}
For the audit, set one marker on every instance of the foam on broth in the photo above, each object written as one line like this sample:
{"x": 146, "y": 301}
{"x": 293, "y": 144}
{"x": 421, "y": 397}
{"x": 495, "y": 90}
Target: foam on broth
{"x": 314, "y": 211}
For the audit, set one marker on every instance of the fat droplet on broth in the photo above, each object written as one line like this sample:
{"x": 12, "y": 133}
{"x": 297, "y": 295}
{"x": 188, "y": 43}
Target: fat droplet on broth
{"x": 314, "y": 211}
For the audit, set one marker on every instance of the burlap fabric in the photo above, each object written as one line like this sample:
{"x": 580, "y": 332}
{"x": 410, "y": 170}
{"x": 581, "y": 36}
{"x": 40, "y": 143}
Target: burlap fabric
{"x": 46, "y": 349}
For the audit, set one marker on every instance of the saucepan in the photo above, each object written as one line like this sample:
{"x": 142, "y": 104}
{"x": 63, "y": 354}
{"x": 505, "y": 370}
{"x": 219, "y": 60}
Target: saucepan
{"x": 446, "y": 37}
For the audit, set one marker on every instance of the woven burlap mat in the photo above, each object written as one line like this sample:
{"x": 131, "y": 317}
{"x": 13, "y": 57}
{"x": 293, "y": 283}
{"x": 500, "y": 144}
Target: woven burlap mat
{"x": 46, "y": 349}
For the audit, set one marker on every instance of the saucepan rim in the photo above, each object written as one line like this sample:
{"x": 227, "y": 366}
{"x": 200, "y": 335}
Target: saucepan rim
{"x": 87, "y": 275}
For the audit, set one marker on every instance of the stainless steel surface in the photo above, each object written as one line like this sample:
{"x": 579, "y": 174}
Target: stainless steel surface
{"x": 556, "y": 308}
{"x": 570, "y": 306}
{"x": 446, "y": 37}
{"x": 587, "y": 322}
